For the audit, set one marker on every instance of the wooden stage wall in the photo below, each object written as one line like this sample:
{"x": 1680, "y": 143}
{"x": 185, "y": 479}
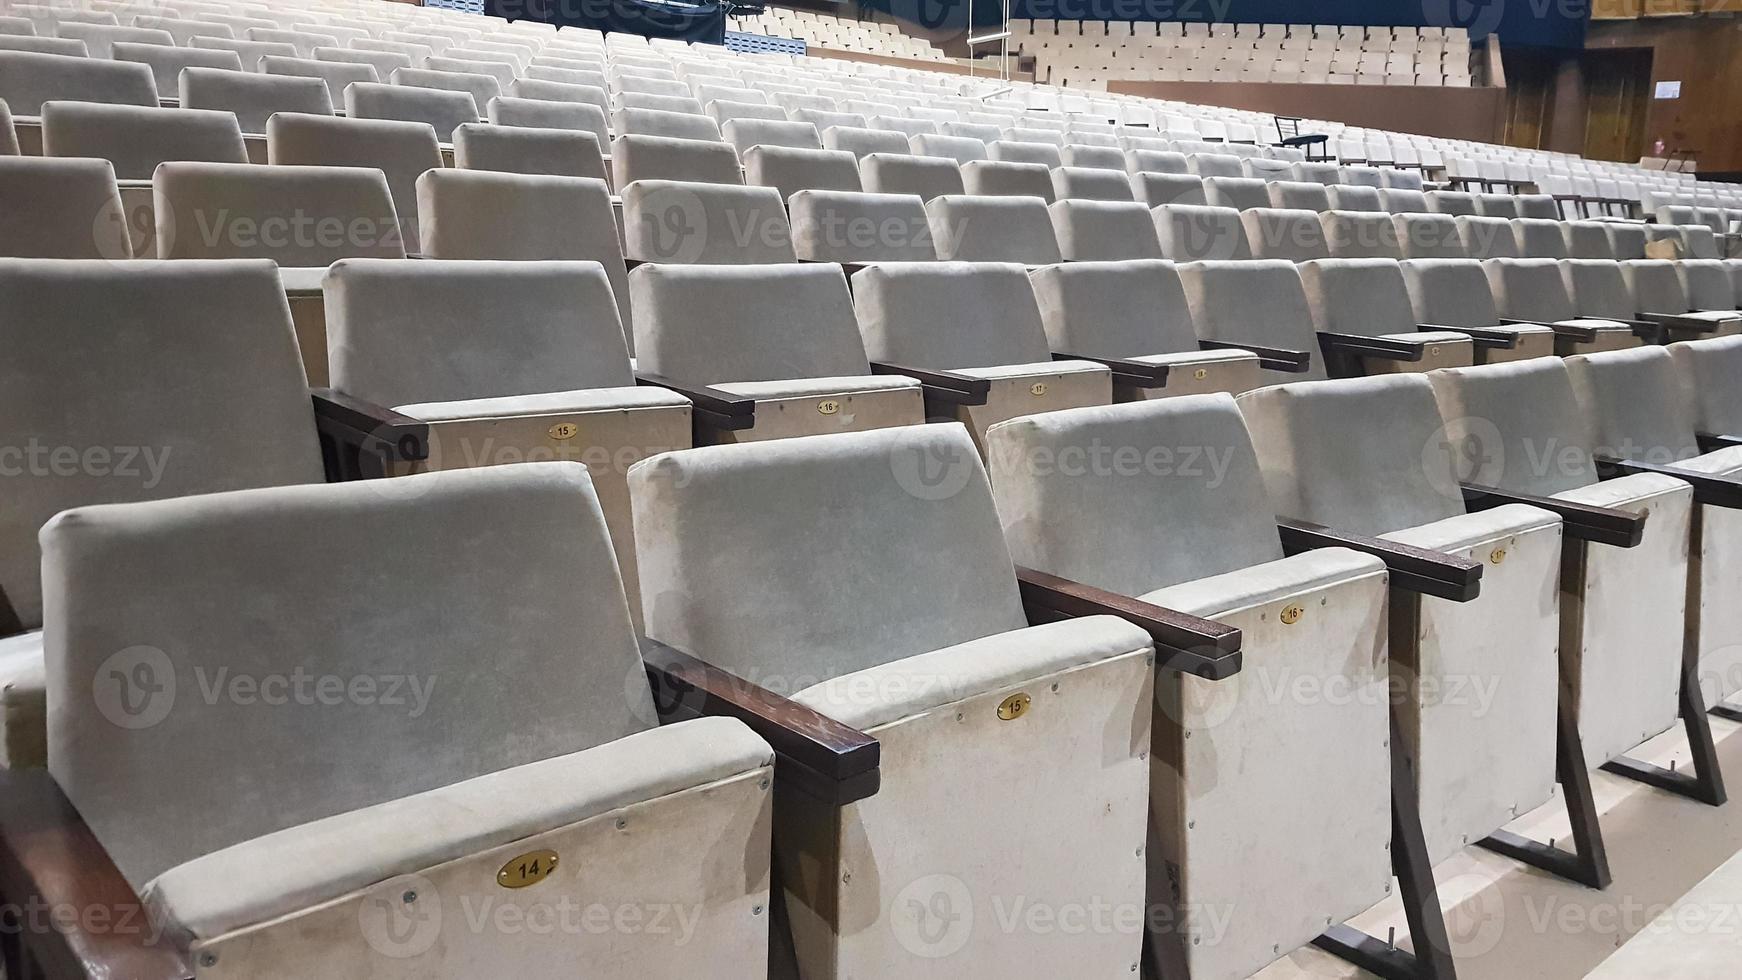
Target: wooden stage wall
{"x": 1453, "y": 113}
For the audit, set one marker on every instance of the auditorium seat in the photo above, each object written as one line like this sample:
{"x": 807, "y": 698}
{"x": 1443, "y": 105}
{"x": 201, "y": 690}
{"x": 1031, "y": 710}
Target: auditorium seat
{"x": 1256, "y": 305}
{"x": 1535, "y": 291}
{"x": 1355, "y": 299}
{"x": 100, "y": 38}
{"x": 1354, "y": 197}
{"x": 441, "y": 109}
{"x": 1488, "y": 237}
{"x": 979, "y": 228}
{"x": 636, "y": 156}
{"x": 902, "y": 173}
{"x": 893, "y": 621}
{"x": 1285, "y": 233}
{"x": 1238, "y": 193}
{"x": 1361, "y": 235}
{"x": 505, "y": 361}
{"x": 744, "y": 133}
{"x": 482, "y": 88}
{"x": 1136, "y": 311}
{"x": 782, "y": 336}
{"x": 1195, "y": 233}
{"x": 1626, "y": 241}
{"x": 1454, "y": 293}
{"x": 995, "y": 334}
{"x": 252, "y": 885}
{"x": 1476, "y": 764}
{"x": 1156, "y": 162}
{"x": 337, "y": 75}
{"x": 1659, "y": 293}
{"x": 1004, "y": 178}
{"x": 481, "y": 214}
{"x": 541, "y": 113}
{"x": 1156, "y": 189}
{"x": 851, "y": 227}
{"x": 1709, "y": 285}
{"x": 402, "y": 151}
{"x": 790, "y": 169}
{"x": 724, "y": 112}
{"x": 166, "y": 62}
{"x": 674, "y": 221}
{"x": 385, "y": 63}
{"x": 1587, "y": 240}
{"x": 1403, "y": 201}
{"x": 862, "y": 142}
{"x": 1048, "y": 155}
{"x": 525, "y": 150}
{"x": 1298, "y": 195}
{"x": 200, "y": 346}
{"x": 1093, "y": 230}
{"x": 1090, "y": 184}
{"x": 1452, "y": 202}
{"x": 1209, "y": 546}
{"x": 958, "y": 148}
{"x": 28, "y": 79}
{"x": 251, "y": 52}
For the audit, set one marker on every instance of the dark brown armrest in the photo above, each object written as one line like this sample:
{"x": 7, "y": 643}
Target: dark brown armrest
{"x": 1200, "y": 647}
{"x": 1580, "y": 335}
{"x": 710, "y": 407}
{"x": 1486, "y": 337}
{"x": 1677, "y": 321}
{"x": 1584, "y": 522}
{"x": 1126, "y": 372}
{"x": 51, "y": 863}
{"x": 1388, "y": 348}
{"x": 814, "y": 753}
{"x": 1414, "y": 569}
{"x": 1718, "y": 491}
{"x": 358, "y": 430}
{"x": 1270, "y": 358}
{"x": 1711, "y": 442}
{"x": 947, "y": 386}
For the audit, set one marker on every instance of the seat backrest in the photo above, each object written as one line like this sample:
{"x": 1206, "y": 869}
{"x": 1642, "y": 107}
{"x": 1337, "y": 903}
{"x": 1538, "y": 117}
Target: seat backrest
{"x": 296, "y": 216}
{"x": 1282, "y": 233}
{"x": 998, "y": 178}
{"x": 989, "y": 228}
{"x": 1598, "y": 288}
{"x": 1538, "y": 206}
{"x": 100, "y": 38}
{"x": 722, "y": 324}
{"x": 1449, "y": 292}
{"x": 1129, "y": 308}
{"x": 1497, "y": 205}
{"x": 1104, "y": 230}
{"x": 1215, "y": 165}
{"x": 1451, "y": 202}
{"x": 703, "y": 516}
{"x": 1136, "y": 531}
{"x": 1428, "y": 236}
{"x": 482, "y": 88}
{"x": 1516, "y": 425}
{"x": 402, "y": 333}
{"x": 1398, "y": 474}
{"x": 1400, "y": 200}
{"x": 1539, "y": 238}
{"x": 1238, "y": 193}
{"x": 903, "y": 173}
{"x": 482, "y": 214}
{"x": 1091, "y": 184}
{"x": 1361, "y": 235}
{"x": 1319, "y": 173}
{"x": 1637, "y": 404}
{"x": 791, "y": 169}
{"x": 1487, "y": 238}
{"x": 143, "y": 369}
{"x": 637, "y": 157}
{"x": 861, "y": 142}
{"x": 744, "y": 133}
{"x": 1190, "y": 233}
{"x": 1259, "y": 302}
{"x": 1354, "y": 197}
{"x": 1656, "y": 286}
{"x": 1708, "y": 370}
{"x": 989, "y": 307}
{"x": 1140, "y": 161}
{"x": 61, "y": 208}
{"x": 1708, "y": 284}
{"x": 253, "y": 97}
{"x": 849, "y": 226}
{"x": 442, "y": 109}
{"x": 166, "y": 62}
{"x": 1358, "y": 296}
{"x": 1156, "y": 189}
{"x": 29, "y": 78}
{"x": 135, "y": 139}
{"x": 1626, "y": 241}
{"x": 958, "y": 148}
{"x": 1299, "y": 195}
{"x": 336, "y": 74}
{"x": 158, "y": 585}
{"x": 525, "y": 150}
{"x": 581, "y": 117}
{"x": 1530, "y": 289}
{"x": 684, "y": 221}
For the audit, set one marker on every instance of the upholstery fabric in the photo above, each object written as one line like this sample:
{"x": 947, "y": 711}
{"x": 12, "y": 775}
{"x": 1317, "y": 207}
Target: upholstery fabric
{"x": 403, "y": 151}
{"x": 1708, "y": 370}
{"x": 861, "y": 142}
{"x": 994, "y": 177}
{"x": 253, "y": 97}
{"x": 745, "y": 133}
{"x": 1091, "y": 184}
{"x": 338, "y": 75}
{"x": 1517, "y": 426}
{"x": 1189, "y": 233}
{"x": 1449, "y": 292}
{"x": 1156, "y": 189}
{"x": 714, "y": 224}
{"x": 525, "y": 150}
{"x": 1299, "y": 195}
{"x": 1104, "y": 230}
{"x": 443, "y": 110}
{"x": 482, "y": 88}
{"x": 791, "y": 170}
{"x": 297, "y": 216}
{"x": 166, "y": 62}
{"x": 1361, "y": 235}
{"x": 1598, "y": 288}
{"x": 989, "y": 228}
{"x": 1127, "y": 308}
{"x": 1358, "y": 296}
{"x": 949, "y": 315}
{"x": 61, "y": 208}
{"x": 1259, "y": 302}
{"x": 135, "y": 139}
{"x": 1655, "y": 285}
{"x": 1636, "y": 403}
{"x": 23, "y": 702}
{"x": 1587, "y": 240}
{"x": 902, "y": 173}
{"x": 846, "y": 226}
{"x": 636, "y": 156}
{"x": 1276, "y": 233}
{"x": 30, "y": 78}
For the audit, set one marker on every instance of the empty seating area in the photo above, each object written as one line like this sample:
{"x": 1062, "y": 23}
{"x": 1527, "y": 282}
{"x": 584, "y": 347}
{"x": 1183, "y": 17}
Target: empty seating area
{"x": 875, "y": 34}
{"x": 495, "y": 499}
{"x": 1087, "y": 54}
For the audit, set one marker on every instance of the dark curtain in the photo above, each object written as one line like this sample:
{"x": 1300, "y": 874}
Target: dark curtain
{"x": 703, "y": 22}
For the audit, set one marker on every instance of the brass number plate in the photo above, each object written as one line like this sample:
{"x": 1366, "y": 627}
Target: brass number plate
{"x": 564, "y": 430}
{"x": 1497, "y": 556}
{"x": 1201, "y": 373}
{"x": 1014, "y": 707}
{"x": 1037, "y": 389}
{"x": 1291, "y": 615}
{"x": 828, "y": 407}
{"x": 527, "y": 869}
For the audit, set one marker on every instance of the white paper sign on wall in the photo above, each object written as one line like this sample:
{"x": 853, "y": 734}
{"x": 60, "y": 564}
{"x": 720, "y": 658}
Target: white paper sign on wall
{"x": 1669, "y": 90}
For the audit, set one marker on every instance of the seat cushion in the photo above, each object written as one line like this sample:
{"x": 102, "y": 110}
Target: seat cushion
{"x": 807, "y": 387}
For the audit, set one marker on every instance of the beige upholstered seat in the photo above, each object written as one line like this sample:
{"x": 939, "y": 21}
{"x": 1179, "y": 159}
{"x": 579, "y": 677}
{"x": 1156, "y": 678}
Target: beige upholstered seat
{"x": 1535, "y": 290}
{"x": 1091, "y": 184}
{"x": 1135, "y": 310}
{"x": 441, "y": 109}
{"x": 1521, "y": 427}
{"x": 253, "y": 97}
{"x": 28, "y": 79}
{"x": 1487, "y": 237}
{"x": 1368, "y": 298}
{"x": 166, "y": 62}
{"x": 903, "y": 173}
{"x": 1454, "y": 293}
{"x": 525, "y": 150}
{"x": 646, "y": 157}
{"x": 1478, "y": 762}
{"x": 1003, "y": 177}
{"x": 303, "y": 881}
{"x": 482, "y": 88}
{"x": 685, "y": 221}
{"x": 992, "y": 228}
{"x": 995, "y": 333}
{"x": 1206, "y": 543}
{"x": 1256, "y": 302}
{"x": 1191, "y": 233}
{"x": 1104, "y": 230}
{"x": 1660, "y": 287}
{"x": 1292, "y": 234}
{"x": 338, "y": 75}
{"x": 149, "y": 400}
{"x": 782, "y": 335}
{"x": 61, "y": 208}
{"x": 792, "y": 169}
{"x": 918, "y": 653}
{"x": 402, "y": 150}
{"x": 481, "y": 214}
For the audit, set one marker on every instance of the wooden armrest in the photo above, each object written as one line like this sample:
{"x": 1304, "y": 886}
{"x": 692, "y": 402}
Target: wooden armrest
{"x": 1584, "y": 522}
{"x": 1680, "y": 322}
{"x": 814, "y": 753}
{"x": 710, "y": 407}
{"x": 1200, "y": 647}
{"x": 51, "y": 864}
{"x": 1486, "y": 337}
{"x": 1385, "y": 347}
{"x": 1711, "y": 442}
{"x": 1271, "y": 358}
{"x": 1413, "y": 569}
{"x": 1137, "y": 374}
{"x": 373, "y": 428}
{"x": 1718, "y": 491}
{"x": 945, "y": 385}
{"x": 1581, "y": 335}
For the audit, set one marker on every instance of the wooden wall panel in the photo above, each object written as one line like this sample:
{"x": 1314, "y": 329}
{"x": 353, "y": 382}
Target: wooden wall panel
{"x": 1456, "y": 113}
{"x": 1705, "y": 55}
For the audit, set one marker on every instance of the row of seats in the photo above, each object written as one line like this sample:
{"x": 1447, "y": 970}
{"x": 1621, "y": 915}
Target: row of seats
{"x": 873, "y": 35}
{"x": 966, "y": 680}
